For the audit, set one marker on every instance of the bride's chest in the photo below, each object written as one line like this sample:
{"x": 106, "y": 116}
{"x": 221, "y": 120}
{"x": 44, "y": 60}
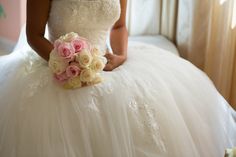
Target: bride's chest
{"x": 85, "y": 12}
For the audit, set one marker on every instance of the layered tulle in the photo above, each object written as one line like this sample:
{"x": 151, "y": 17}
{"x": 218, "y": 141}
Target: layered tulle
{"x": 155, "y": 105}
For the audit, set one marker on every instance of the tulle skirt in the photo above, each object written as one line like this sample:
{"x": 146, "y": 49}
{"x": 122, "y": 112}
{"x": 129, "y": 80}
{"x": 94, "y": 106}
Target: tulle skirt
{"x": 154, "y": 105}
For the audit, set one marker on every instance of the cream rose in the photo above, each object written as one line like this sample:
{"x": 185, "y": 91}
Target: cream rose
{"x": 87, "y": 75}
{"x": 103, "y": 59}
{"x": 95, "y": 51}
{"x": 56, "y": 64}
{"x": 97, "y": 79}
{"x": 70, "y": 36}
{"x": 97, "y": 64}
{"x": 54, "y": 54}
{"x": 84, "y": 58}
{"x": 73, "y": 83}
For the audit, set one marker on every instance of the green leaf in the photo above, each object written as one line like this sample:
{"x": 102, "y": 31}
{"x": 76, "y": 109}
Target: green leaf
{"x": 2, "y": 13}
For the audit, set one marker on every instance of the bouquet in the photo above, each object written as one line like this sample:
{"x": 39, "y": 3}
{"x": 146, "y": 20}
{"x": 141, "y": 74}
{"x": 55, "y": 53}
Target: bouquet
{"x": 75, "y": 62}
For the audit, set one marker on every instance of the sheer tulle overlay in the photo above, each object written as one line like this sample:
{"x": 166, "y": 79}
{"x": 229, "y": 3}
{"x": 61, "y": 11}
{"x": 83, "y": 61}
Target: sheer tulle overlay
{"x": 154, "y": 105}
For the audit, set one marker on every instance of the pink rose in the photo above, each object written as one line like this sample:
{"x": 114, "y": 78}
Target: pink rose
{"x": 79, "y": 44}
{"x": 72, "y": 70}
{"x": 66, "y": 51}
{"x": 61, "y": 77}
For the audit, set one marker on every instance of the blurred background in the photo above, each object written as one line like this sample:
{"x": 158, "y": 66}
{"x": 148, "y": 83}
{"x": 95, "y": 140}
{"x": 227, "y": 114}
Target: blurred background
{"x": 13, "y": 17}
{"x": 201, "y": 31}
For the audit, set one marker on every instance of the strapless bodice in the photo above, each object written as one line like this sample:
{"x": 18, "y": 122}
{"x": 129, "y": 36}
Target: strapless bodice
{"x": 91, "y": 19}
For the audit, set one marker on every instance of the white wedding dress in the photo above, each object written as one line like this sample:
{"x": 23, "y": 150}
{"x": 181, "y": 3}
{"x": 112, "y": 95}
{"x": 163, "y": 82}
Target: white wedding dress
{"x": 154, "y": 105}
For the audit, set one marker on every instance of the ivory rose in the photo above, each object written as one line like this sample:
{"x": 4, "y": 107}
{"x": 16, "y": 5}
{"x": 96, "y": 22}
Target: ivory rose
{"x": 95, "y": 51}
{"x": 73, "y": 83}
{"x": 97, "y": 64}
{"x": 84, "y": 58}
{"x": 56, "y": 64}
{"x": 70, "y": 37}
{"x": 97, "y": 79}
{"x": 87, "y": 75}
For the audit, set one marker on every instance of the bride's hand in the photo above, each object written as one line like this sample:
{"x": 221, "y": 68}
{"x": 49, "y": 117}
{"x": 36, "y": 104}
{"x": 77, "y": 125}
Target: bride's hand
{"x": 113, "y": 61}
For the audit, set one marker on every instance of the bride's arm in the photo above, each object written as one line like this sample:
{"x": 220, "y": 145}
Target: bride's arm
{"x": 37, "y": 17}
{"x": 119, "y": 40}
{"x": 119, "y": 35}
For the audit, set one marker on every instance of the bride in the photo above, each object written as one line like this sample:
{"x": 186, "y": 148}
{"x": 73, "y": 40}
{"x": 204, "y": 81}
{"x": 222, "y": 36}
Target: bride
{"x": 151, "y": 104}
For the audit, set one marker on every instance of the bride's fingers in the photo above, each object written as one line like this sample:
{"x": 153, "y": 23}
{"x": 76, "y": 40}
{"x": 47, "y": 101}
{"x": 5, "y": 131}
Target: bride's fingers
{"x": 107, "y": 51}
{"x": 109, "y": 56}
{"x": 108, "y": 67}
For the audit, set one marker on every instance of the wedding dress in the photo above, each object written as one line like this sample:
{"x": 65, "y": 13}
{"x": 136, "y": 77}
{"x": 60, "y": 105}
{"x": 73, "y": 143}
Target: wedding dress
{"x": 154, "y": 105}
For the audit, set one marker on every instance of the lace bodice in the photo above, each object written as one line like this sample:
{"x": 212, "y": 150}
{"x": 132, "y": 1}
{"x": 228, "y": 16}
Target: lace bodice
{"x": 91, "y": 19}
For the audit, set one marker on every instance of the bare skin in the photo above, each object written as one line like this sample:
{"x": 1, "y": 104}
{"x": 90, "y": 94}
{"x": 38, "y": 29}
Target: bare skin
{"x": 37, "y": 18}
